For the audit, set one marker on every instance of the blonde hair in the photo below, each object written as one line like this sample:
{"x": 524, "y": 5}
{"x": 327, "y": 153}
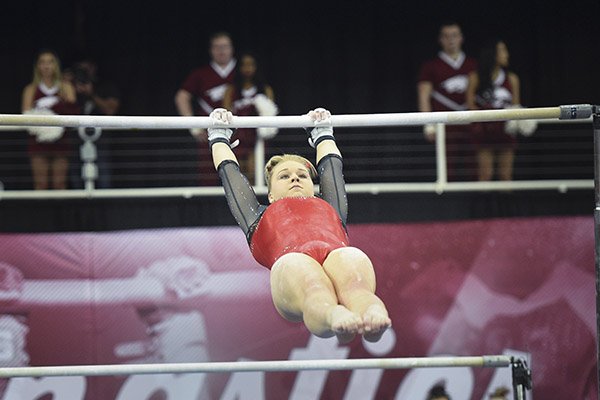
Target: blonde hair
{"x": 37, "y": 77}
{"x": 273, "y": 161}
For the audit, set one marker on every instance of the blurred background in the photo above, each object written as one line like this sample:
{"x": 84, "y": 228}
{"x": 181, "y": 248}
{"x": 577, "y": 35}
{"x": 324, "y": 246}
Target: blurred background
{"x": 527, "y": 255}
{"x": 354, "y": 57}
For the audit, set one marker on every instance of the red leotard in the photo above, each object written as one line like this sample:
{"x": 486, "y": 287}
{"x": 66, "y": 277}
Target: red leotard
{"x": 306, "y": 225}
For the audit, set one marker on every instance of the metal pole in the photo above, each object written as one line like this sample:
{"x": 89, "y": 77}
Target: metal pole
{"x": 490, "y": 361}
{"x": 259, "y": 162}
{"x": 440, "y": 157}
{"x": 579, "y": 111}
{"x": 596, "y": 122}
{"x": 521, "y": 376}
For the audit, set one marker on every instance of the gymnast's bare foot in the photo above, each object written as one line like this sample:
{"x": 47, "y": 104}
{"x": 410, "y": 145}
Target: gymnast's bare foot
{"x": 345, "y": 324}
{"x": 375, "y": 322}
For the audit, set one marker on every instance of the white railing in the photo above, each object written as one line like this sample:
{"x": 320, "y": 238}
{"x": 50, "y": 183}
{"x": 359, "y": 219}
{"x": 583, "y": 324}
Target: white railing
{"x": 440, "y": 184}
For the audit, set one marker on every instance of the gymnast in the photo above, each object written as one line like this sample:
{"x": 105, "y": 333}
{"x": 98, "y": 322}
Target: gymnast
{"x": 316, "y": 277}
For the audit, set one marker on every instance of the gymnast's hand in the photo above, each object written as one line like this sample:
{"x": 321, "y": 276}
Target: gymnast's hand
{"x": 220, "y": 118}
{"x": 323, "y": 130}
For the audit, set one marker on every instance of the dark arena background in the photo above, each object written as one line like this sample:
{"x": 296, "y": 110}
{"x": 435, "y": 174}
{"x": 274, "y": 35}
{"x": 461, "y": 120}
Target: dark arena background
{"x": 464, "y": 272}
{"x": 353, "y": 58}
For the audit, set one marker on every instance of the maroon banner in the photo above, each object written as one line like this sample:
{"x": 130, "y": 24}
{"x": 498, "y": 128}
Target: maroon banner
{"x": 523, "y": 287}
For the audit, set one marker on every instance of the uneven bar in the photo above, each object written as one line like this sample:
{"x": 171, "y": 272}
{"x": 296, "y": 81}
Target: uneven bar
{"x": 491, "y": 361}
{"x": 289, "y": 121}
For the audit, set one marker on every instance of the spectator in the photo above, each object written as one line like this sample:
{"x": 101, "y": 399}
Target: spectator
{"x": 206, "y": 86}
{"x": 94, "y": 97}
{"x": 442, "y": 84}
{"x": 47, "y": 147}
{"x": 249, "y": 95}
{"x": 438, "y": 392}
{"x": 492, "y": 86}
{"x": 500, "y": 393}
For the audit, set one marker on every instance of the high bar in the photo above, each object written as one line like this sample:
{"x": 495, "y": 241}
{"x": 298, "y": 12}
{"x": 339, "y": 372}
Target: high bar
{"x": 578, "y": 111}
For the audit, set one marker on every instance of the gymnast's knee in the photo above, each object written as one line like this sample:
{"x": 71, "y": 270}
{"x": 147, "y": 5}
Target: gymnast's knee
{"x": 348, "y": 256}
{"x": 292, "y": 261}
{"x": 350, "y": 269}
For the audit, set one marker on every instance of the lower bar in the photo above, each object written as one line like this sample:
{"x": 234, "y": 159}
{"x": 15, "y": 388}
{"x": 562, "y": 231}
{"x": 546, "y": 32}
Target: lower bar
{"x": 493, "y": 361}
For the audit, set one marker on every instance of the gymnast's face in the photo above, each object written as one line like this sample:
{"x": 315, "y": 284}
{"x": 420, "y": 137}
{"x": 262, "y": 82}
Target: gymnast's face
{"x": 290, "y": 179}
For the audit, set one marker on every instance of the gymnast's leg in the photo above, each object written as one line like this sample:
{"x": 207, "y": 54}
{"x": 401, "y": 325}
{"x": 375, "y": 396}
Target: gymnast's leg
{"x": 303, "y": 292}
{"x": 352, "y": 274}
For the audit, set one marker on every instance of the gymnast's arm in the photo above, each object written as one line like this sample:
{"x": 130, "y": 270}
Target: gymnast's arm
{"x": 331, "y": 177}
{"x": 242, "y": 201}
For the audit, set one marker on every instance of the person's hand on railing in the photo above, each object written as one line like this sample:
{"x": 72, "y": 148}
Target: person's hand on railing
{"x": 429, "y": 132}
{"x": 199, "y": 134}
